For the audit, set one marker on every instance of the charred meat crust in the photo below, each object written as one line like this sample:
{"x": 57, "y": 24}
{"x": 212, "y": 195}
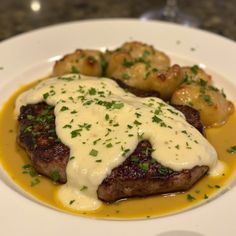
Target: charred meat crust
{"x": 38, "y": 136}
{"x": 138, "y": 175}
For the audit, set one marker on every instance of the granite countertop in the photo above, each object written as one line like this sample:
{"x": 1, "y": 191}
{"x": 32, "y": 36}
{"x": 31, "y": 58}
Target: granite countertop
{"x": 21, "y": 16}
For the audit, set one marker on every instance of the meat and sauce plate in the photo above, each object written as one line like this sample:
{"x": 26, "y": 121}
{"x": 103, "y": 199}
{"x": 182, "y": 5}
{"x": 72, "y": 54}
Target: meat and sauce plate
{"x": 31, "y": 56}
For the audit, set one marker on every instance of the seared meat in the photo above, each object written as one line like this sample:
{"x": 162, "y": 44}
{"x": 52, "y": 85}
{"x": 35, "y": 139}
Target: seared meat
{"x": 141, "y": 175}
{"x": 38, "y": 136}
{"x": 138, "y": 175}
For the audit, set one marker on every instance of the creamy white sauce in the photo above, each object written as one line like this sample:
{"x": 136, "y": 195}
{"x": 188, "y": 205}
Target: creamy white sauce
{"x": 102, "y": 125}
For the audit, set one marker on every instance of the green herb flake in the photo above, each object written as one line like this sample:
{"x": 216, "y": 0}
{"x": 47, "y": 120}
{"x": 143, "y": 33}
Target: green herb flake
{"x": 231, "y": 149}
{"x": 75, "y": 70}
{"x": 55, "y": 176}
{"x": 109, "y": 145}
{"x": 34, "y": 182}
{"x": 163, "y": 170}
{"x": 137, "y": 123}
{"x": 125, "y": 76}
{"x": 67, "y": 126}
{"x": 118, "y": 105}
{"x": 71, "y": 202}
{"x": 127, "y": 63}
{"x": 134, "y": 159}
{"x": 45, "y": 96}
{"x": 84, "y": 188}
{"x": 177, "y": 146}
{"x": 95, "y": 141}
{"x": 137, "y": 114}
{"x": 30, "y": 117}
{"x": 156, "y": 119}
{"x": 92, "y": 91}
{"x": 195, "y": 69}
{"x": 64, "y": 108}
{"x": 190, "y": 198}
{"x": 93, "y": 153}
{"x": 106, "y": 117}
{"x": 206, "y": 196}
{"x": 75, "y": 133}
{"x": 144, "y": 166}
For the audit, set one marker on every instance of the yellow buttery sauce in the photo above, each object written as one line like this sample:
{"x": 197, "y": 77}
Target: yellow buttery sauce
{"x": 13, "y": 158}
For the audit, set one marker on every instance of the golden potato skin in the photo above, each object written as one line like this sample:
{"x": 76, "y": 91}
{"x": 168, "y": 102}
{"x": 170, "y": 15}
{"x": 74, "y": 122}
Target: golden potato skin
{"x": 195, "y": 74}
{"x": 141, "y": 66}
{"x": 86, "y": 62}
{"x": 212, "y": 105}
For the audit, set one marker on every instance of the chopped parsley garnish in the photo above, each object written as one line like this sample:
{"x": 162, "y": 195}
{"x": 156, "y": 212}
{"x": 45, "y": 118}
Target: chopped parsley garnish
{"x": 67, "y": 126}
{"x": 163, "y": 170}
{"x": 125, "y": 76}
{"x": 75, "y": 133}
{"x": 75, "y": 70}
{"x": 93, "y": 153}
{"x": 134, "y": 159}
{"x": 45, "y": 96}
{"x": 34, "y": 182}
{"x": 109, "y": 145}
{"x": 29, "y": 169}
{"x": 194, "y": 69}
{"x": 156, "y": 119}
{"x": 127, "y": 63}
{"x": 95, "y": 141}
{"x": 137, "y": 114}
{"x": 55, "y": 176}
{"x": 83, "y": 188}
{"x": 232, "y": 149}
{"x": 64, "y": 108}
{"x": 118, "y": 105}
{"x": 144, "y": 166}
{"x": 106, "y": 117}
{"x": 71, "y": 202}
{"x": 92, "y": 91}
{"x": 137, "y": 123}
{"x": 190, "y": 198}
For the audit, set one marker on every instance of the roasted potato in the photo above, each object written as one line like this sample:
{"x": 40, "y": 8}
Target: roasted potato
{"x": 86, "y": 62}
{"x": 141, "y": 66}
{"x": 211, "y": 103}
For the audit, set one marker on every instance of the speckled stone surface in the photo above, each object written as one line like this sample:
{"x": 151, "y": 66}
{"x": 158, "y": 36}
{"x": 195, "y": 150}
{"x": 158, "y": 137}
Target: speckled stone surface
{"x": 18, "y": 16}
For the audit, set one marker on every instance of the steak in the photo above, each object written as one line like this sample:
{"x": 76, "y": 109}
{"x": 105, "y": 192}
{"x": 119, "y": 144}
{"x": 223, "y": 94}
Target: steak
{"x": 37, "y": 135}
{"x": 139, "y": 175}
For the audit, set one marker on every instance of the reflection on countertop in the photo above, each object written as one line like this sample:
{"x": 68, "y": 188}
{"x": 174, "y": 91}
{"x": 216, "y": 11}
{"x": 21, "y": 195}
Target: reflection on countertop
{"x": 21, "y": 16}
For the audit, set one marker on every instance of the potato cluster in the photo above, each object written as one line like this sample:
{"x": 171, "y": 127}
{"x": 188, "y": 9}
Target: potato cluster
{"x": 142, "y": 66}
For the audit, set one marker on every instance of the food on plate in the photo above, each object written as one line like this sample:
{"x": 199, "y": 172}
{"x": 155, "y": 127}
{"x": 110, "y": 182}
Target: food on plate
{"x": 50, "y": 157}
{"x": 141, "y": 66}
{"x": 86, "y": 62}
{"x": 198, "y": 92}
{"x": 138, "y": 133}
{"x": 103, "y": 125}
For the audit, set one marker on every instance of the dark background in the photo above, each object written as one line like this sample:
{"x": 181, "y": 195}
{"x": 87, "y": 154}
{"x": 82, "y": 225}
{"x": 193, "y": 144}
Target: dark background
{"x": 17, "y": 16}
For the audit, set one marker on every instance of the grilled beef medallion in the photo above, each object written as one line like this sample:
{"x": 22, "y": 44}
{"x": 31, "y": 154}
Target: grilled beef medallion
{"x": 138, "y": 175}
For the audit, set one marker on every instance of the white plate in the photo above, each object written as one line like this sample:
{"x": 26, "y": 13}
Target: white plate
{"x": 29, "y": 56}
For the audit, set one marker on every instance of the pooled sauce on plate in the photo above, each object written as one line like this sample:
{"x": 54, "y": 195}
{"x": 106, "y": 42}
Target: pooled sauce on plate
{"x": 14, "y": 159}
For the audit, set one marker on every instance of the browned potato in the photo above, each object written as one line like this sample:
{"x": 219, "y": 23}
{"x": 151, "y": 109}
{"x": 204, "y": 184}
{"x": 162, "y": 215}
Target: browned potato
{"x": 141, "y": 66}
{"x": 195, "y": 74}
{"x": 87, "y": 62}
{"x": 211, "y": 103}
